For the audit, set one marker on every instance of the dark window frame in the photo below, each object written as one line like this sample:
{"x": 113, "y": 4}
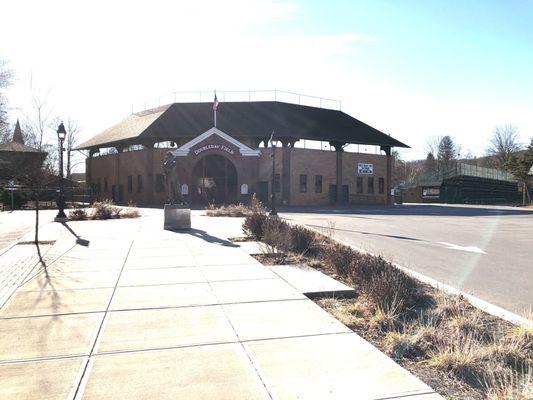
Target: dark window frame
{"x": 359, "y": 185}
{"x": 159, "y": 183}
{"x": 370, "y": 185}
{"x": 139, "y": 183}
{"x": 381, "y": 185}
{"x": 318, "y": 183}
{"x": 303, "y": 183}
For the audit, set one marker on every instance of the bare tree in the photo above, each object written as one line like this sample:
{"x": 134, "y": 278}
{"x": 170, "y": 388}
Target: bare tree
{"x": 71, "y": 141}
{"x": 503, "y": 144}
{"x": 6, "y": 76}
{"x": 432, "y": 144}
{"x": 39, "y": 132}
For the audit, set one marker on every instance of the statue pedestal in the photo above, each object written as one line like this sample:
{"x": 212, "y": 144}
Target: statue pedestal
{"x": 177, "y": 217}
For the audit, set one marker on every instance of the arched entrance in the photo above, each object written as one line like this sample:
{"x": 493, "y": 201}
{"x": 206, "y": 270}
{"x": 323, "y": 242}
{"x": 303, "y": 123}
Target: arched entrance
{"x": 214, "y": 180}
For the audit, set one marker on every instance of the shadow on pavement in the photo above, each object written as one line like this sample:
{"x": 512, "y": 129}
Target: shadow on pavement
{"x": 370, "y": 233}
{"x": 210, "y": 238}
{"x": 79, "y": 240}
{"x": 408, "y": 209}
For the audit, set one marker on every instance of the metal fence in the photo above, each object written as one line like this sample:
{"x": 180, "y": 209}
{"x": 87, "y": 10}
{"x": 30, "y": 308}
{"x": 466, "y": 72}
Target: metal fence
{"x": 480, "y": 172}
{"x": 237, "y": 95}
{"x": 24, "y": 197}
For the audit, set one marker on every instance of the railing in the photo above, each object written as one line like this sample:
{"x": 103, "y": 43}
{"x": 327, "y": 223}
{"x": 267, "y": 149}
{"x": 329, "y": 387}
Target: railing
{"x": 237, "y": 95}
{"x": 461, "y": 169}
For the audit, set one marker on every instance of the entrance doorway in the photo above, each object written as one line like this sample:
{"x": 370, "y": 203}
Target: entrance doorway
{"x": 214, "y": 181}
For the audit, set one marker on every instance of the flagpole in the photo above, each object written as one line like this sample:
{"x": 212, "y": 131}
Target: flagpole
{"x": 215, "y": 110}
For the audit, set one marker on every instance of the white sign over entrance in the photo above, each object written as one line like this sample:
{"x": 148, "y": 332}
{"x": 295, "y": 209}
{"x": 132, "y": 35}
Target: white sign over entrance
{"x": 220, "y": 147}
{"x": 244, "y": 188}
{"x": 184, "y": 189}
{"x": 365, "y": 169}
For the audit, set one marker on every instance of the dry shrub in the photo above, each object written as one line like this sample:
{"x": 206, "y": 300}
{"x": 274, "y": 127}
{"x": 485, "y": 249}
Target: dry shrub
{"x": 256, "y": 206}
{"x": 253, "y": 225}
{"x": 340, "y": 257}
{"x": 77, "y": 215}
{"x": 236, "y": 210}
{"x": 130, "y": 213}
{"x": 449, "y": 306}
{"x": 302, "y": 241}
{"x": 277, "y": 234}
{"x": 104, "y": 210}
{"x": 388, "y": 286}
{"x": 232, "y": 210}
{"x": 107, "y": 210}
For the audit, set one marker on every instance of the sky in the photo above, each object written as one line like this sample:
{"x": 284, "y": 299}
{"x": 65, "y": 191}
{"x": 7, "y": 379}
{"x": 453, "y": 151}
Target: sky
{"x": 411, "y": 69}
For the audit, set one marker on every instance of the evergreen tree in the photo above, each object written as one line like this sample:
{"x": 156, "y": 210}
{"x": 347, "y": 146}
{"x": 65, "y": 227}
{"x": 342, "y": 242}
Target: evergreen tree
{"x": 447, "y": 153}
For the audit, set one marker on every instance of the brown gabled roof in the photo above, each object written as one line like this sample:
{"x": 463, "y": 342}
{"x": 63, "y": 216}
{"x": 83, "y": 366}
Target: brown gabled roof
{"x": 17, "y": 135}
{"x": 129, "y": 128}
{"x": 17, "y": 143}
{"x": 241, "y": 119}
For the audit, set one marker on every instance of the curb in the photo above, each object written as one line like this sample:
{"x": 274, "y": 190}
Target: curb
{"x": 475, "y": 301}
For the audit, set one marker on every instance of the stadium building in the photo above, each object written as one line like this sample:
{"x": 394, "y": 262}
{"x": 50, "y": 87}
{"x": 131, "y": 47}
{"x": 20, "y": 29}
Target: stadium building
{"x": 225, "y": 155}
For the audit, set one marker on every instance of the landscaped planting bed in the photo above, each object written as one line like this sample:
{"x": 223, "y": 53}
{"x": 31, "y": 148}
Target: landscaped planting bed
{"x": 460, "y": 351}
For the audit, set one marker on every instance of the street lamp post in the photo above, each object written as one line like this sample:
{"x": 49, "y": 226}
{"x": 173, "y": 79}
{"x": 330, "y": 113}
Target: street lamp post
{"x": 273, "y": 143}
{"x": 61, "y": 133}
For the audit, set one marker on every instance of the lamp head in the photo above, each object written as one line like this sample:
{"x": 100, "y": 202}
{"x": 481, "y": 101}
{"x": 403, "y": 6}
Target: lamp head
{"x": 61, "y": 132}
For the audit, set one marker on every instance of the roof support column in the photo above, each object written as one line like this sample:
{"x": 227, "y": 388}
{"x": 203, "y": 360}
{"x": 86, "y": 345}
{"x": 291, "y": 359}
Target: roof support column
{"x": 286, "y": 171}
{"x": 388, "y": 186}
{"x": 117, "y": 193}
{"x": 339, "y": 149}
{"x": 150, "y": 186}
{"x": 88, "y": 169}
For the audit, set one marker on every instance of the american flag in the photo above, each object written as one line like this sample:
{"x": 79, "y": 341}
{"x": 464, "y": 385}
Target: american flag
{"x": 215, "y": 102}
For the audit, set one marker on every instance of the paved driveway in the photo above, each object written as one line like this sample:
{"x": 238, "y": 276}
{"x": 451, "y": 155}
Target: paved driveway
{"x": 486, "y": 251}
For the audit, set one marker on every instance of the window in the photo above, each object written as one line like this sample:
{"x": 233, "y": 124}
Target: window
{"x": 277, "y": 183}
{"x": 359, "y": 185}
{"x": 130, "y": 184}
{"x": 370, "y": 185}
{"x": 303, "y": 183}
{"x": 381, "y": 185}
{"x": 105, "y": 185}
{"x": 98, "y": 186}
{"x": 159, "y": 183}
{"x": 139, "y": 183}
{"x": 318, "y": 183}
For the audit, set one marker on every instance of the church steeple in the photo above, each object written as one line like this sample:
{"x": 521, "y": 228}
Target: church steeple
{"x": 17, "y": 135}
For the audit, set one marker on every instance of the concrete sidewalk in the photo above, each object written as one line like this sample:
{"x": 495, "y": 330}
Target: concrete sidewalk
{"x": 145, "y": 313}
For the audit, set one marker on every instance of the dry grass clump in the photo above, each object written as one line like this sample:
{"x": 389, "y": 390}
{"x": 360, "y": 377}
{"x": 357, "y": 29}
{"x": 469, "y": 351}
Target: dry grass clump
{"x": 463, "y": 357}
{"x": 78, "y": 215}
{"x": 349, "y": 313}
{"x": 509, "y": 385}
{"x": 105, "y": 210}
{"x": 236, "y": 210}
{"x": 387, "y": 315}
{"x": 232, "y": 210}
{"x": 130, "y": 212}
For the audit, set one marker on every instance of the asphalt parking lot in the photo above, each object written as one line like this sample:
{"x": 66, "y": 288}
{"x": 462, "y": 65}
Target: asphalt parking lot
{"x": 486, "y": 251}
